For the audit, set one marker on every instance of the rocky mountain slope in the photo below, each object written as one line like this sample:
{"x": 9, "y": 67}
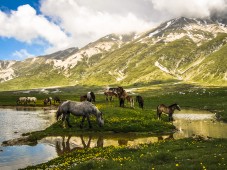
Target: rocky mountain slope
{"x": 182, "y": 49}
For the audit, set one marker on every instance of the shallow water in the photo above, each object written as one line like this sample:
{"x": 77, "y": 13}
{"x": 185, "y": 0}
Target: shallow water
{"x": 197, "y": 122}
{"x": 189, "y": 122}
{"x": 14, "y": 122}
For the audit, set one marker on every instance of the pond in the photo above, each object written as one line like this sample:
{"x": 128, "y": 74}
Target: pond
{"x": 15, "y": 122}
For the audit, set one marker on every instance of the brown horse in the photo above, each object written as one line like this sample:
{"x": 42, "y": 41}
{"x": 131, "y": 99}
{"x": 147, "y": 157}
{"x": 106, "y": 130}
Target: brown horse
{"x": 140, "y": 100}
{"x": 109, "y": 95}
{"x": 56, "y": 99}
{"x": 168, "y": 110}
{"x": 83, "y": 98}
{"x": 47, "y": 100}
{"x": 122, "y": 94}
{"x": 130, "y": 100}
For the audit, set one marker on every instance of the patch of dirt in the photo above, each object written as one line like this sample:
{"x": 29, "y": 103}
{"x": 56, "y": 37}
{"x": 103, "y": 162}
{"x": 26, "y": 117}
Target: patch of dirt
{"x": 19, "y": 141}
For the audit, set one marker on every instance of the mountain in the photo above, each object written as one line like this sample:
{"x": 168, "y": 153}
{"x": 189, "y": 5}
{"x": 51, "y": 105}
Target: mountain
{"x": 182, "y": 49}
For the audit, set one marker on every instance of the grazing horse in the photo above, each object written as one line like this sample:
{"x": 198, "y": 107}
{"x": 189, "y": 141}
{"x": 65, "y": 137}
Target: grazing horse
{"x": 84, "y": 109}
{"x": 121, "y": 95}
{"x": 168, "y": 110}
{"x": 140, "y": 100}
{"x": 31, "y": 100}
{"x": 130, "y": 100}
{"x": 112, "y": 89}
{"x": 109, "y": 95}
{"x": 83, "y": 98}
{"x": 22, "y": 100}
{"x": 90, "y": 96}
{"x": 56, "y": 99}
{"x": 47, "y": 100}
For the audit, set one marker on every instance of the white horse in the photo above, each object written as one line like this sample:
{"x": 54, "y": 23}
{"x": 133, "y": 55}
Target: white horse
{"x": 84, "y": 109}
{"x": 22, "y": 100}
{"x": 31, "y": 99}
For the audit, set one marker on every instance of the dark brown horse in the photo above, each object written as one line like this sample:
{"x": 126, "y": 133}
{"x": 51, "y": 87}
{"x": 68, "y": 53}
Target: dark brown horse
{"x": 140, "y": 100}
{"x": 56, "y": 99}
{"x": 122, "y": 94}
{"x": 168, "y": 110}
{"x": 83, "y": 98}
{"x": 47, "y": 100}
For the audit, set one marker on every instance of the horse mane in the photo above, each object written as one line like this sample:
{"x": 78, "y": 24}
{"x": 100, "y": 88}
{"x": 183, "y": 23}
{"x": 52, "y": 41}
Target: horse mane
{"x": 175, "y": 104}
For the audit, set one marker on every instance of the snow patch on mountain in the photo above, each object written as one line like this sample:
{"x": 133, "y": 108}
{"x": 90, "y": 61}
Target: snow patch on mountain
{"x": 159, "y": 30}
{"x": 118, "y": 74}
{"x": 166, "y": 70}
{"x": 72, "y": 60}
{"x": 161, "y": 67}
{"x": 195, "y": 29}
{"x": 6, "y": 71}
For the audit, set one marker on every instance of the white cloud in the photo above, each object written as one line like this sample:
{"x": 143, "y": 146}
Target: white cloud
{"x": 26, "y": 26}
{"x": 86, "y": 24}
{"x": 22, "y": 54}
{"x": 67, "y": 23}
{"x": 192, "y": 8}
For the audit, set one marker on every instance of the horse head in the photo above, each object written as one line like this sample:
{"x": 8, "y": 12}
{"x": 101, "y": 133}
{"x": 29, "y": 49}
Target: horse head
{"x": 177, "y": 107}
{"x": 100, "y": 119}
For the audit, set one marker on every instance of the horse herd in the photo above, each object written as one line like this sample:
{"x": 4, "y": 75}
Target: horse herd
{"x": 86, "y": 107}
{"x": 33, "y": 100}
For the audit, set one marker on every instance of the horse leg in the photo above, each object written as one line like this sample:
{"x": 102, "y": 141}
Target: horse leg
{"x": 141, "y": 105}
{"x": 89, "y": 122}
{"x": 133, "y": 103}
{"x": 122, "y": 101}
{"x": 170, "y": 117}
{"x": 82, "y": 122}
{"x": 159, "y": 115}
{"x": 67, "y": 120}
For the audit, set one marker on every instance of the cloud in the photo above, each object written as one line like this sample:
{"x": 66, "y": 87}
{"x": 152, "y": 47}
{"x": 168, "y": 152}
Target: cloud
{"x": 63, "y": 24}
{"x": 22, "y": 54}
{"x": 192, "y": 8}
{"x": 26, "y": 26}
{"x": 86, "y": 23}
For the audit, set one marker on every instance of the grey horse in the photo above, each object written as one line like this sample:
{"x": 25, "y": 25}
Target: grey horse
{"x": 84, "y": 109}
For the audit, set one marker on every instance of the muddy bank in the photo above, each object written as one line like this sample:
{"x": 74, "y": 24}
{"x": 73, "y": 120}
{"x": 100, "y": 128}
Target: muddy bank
{"x": 20, "y": 141}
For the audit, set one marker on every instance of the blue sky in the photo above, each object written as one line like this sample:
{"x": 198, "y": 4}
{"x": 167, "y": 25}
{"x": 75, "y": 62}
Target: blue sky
{"x": 9, "y": 46}
{"x": 31, "y": 28}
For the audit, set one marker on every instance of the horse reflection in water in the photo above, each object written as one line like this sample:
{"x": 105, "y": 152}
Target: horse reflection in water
{"x": 169, "y": 137}
{"x": 64, "y": 146}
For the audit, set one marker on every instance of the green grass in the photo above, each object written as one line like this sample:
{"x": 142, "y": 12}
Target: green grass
{"x": 174, "y": 154}
{"x": 177, "y": 154}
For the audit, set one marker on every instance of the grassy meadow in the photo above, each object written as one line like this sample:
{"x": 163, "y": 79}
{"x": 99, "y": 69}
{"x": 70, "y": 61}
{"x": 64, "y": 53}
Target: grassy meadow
{"x": 174, "y": 154}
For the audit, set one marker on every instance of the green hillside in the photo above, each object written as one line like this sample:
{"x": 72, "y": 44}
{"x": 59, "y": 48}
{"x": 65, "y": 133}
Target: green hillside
{"x": 171, "y": 52}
